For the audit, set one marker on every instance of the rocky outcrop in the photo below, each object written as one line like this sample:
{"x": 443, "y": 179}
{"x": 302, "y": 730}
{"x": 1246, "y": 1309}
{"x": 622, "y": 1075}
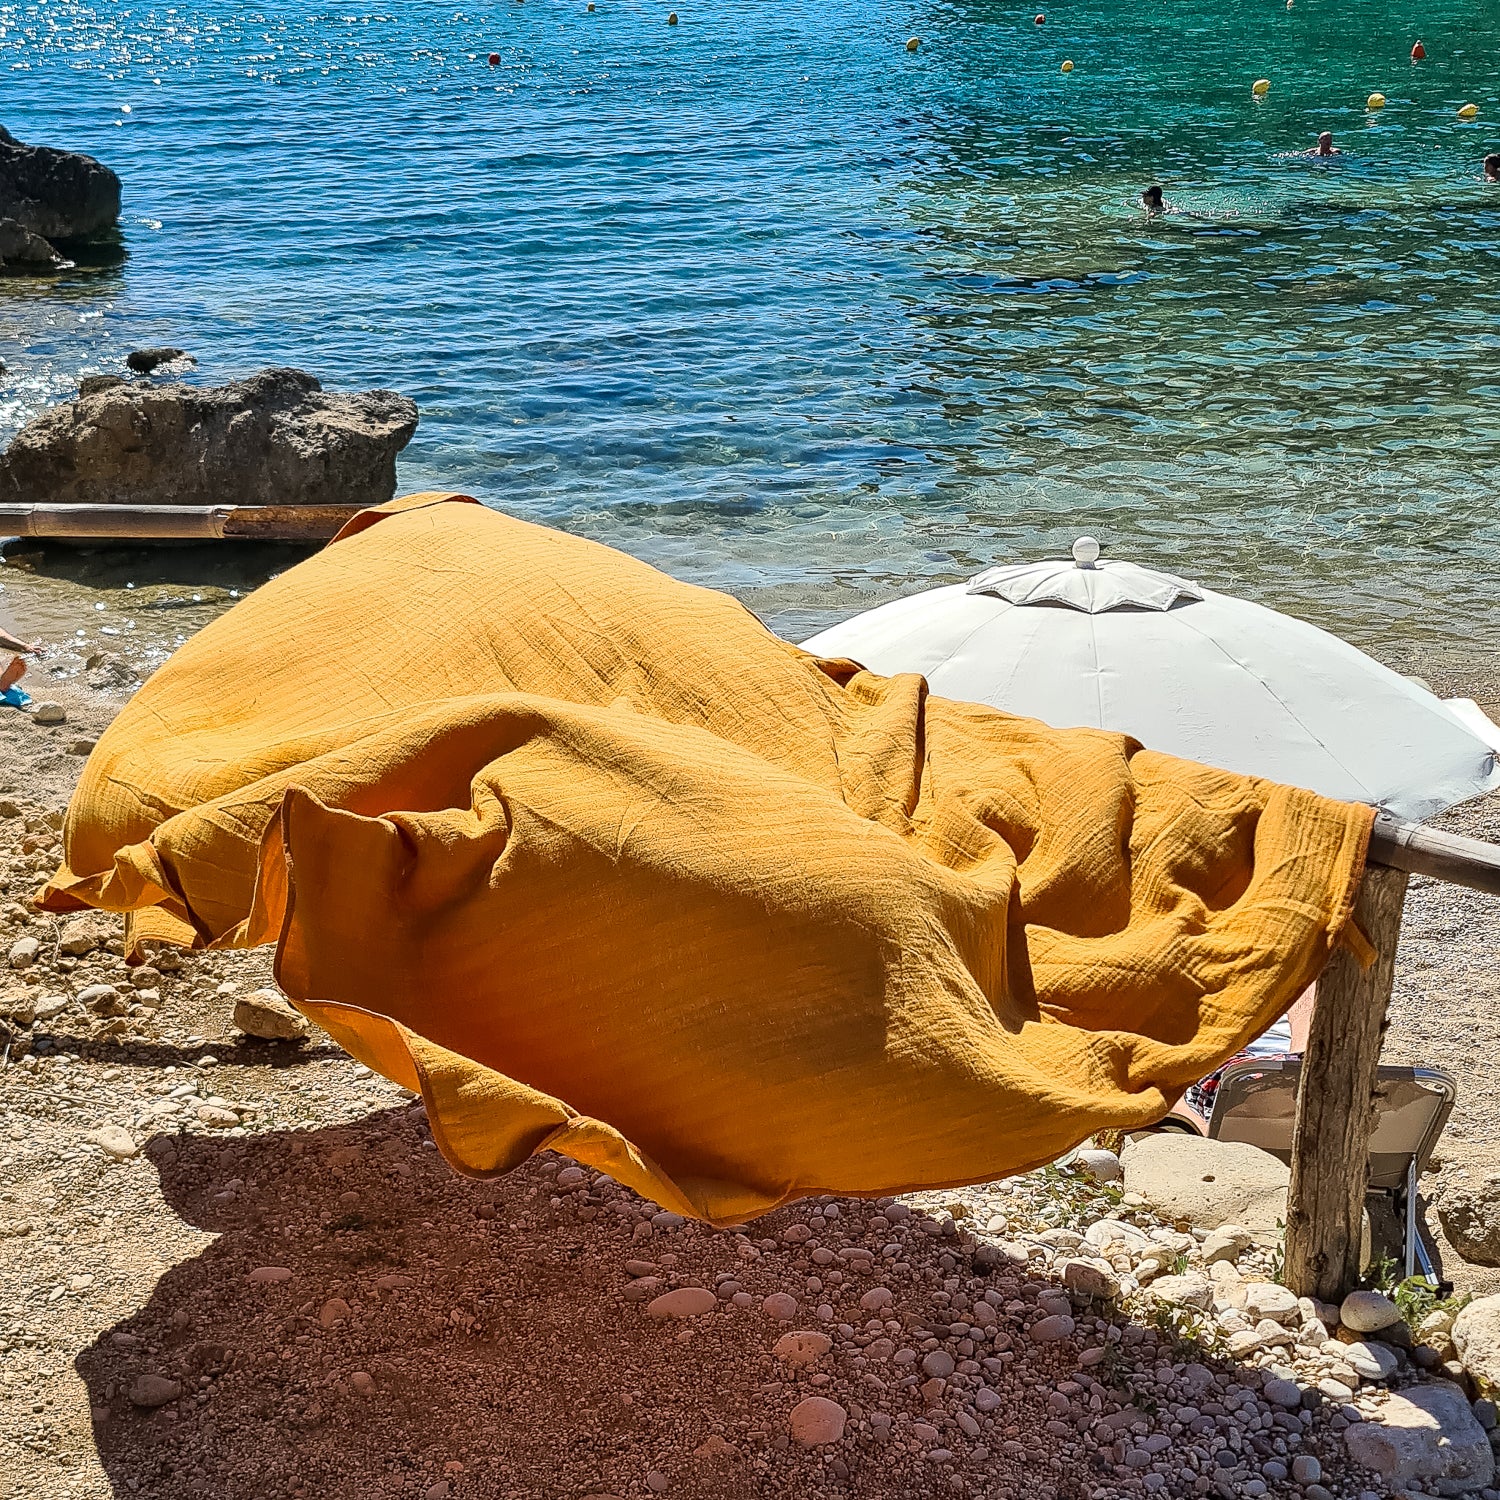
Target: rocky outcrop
{"x": 275, "y": 439}
{"x": 59, "y": 195}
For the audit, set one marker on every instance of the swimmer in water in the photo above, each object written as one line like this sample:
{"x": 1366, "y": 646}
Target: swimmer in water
{"x": 1492, "y": 167}
{"x": 1325, "y": 146}
{"x": 1152, "y": 200}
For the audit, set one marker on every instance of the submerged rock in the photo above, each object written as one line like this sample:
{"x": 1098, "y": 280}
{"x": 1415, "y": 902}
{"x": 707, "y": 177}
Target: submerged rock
{"x": 20, "y": 249}
{"x": 59, "y": 195}
{"x": 276, "y": 438}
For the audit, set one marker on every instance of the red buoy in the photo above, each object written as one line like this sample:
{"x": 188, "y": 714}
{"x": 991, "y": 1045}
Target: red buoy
{"x": 1418, "y": 52}
{"x": 1041, "y": 20}
{"x": 494, "y": 59}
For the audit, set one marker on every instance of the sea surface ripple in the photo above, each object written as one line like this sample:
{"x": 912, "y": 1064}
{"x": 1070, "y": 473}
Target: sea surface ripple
{"x": 772, "y": 302}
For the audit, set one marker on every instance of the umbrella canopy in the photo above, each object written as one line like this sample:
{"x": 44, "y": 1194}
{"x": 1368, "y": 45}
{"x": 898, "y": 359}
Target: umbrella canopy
{"x": 1184, "y": 670}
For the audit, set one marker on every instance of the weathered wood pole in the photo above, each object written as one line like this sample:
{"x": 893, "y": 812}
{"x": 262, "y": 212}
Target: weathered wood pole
{"x": 1335, "y": 1100}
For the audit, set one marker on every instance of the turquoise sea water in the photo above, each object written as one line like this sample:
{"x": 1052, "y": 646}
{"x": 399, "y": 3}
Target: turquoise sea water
{"x": 771, "y": 302}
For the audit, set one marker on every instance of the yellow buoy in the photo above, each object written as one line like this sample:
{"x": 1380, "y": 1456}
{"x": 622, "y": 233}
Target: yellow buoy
{"x": 1375, "y": 101}
{"x": 1468, "y": 112}
{"x": 1067, "y": 66}
{"x": 1261, "y": 87}
{"x": 912, "y": 43}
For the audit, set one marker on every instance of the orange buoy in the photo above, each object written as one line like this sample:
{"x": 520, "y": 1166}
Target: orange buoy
{"x": 1418, "y": 52}
{"x": 494, "y": 59}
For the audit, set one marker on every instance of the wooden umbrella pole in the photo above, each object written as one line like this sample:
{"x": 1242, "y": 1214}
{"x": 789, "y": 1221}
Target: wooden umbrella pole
{"x": 1335, "y": 1100}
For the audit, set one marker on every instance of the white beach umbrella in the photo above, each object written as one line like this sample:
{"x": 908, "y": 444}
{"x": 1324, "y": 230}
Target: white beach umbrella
{"x": 1184, "y": 670}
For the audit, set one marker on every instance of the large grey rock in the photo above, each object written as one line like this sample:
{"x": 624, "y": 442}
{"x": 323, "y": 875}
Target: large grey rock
{"x": 1427, "y": 1434}
{"x": 1468, "y": 1208}
{"x": 1476, "y": 1337}
{"x": 275, "y": 438}
{"x": 60, "y": 195}
{"x": 1208, "y": 1182}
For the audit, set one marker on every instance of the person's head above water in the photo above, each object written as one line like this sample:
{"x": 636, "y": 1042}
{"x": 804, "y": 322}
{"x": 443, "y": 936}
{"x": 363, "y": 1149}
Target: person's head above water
{"x": 1325, "y": 144}
{"x": 1152, "y": 199}
{"x": 1492, "y": 167}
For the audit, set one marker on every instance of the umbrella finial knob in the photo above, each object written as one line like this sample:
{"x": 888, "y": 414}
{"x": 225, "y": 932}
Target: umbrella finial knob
{"x": 1085, "y": 552}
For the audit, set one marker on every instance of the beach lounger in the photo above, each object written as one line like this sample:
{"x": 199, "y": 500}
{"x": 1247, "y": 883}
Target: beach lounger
{"x": 1256, "y": 1103}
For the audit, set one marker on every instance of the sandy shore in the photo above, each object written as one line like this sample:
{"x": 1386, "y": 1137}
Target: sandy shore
{"x": 436, "y": 1337}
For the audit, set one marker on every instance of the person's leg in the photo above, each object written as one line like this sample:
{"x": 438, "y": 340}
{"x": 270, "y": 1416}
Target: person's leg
{"x": 12, "y": 674}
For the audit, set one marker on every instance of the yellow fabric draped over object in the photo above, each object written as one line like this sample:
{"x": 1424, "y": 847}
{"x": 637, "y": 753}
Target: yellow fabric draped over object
{"x": 599, "y": 864}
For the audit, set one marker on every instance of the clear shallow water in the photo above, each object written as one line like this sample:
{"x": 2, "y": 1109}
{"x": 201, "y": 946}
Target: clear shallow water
{"x": 774, "y": 304}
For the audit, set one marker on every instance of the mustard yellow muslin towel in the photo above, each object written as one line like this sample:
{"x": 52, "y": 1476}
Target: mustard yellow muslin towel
{"x": 599, "y": 864}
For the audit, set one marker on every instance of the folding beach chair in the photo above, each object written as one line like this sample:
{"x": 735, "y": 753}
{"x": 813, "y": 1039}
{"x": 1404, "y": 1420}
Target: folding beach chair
{"x": 1257, "y": 1102}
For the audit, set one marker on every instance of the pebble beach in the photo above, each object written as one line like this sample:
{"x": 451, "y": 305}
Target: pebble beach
{"x": 817, "y": 305}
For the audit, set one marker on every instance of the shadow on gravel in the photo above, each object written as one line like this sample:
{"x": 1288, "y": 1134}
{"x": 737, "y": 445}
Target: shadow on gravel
{"x": 416, "y": 1340}
{"x": 134, "y": 1052}
{"x": 369, "y": 1324}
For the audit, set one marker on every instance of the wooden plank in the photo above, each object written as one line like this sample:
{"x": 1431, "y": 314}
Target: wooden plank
{"x": 148, "y": 522}
{"x": 1429, "y": 851}
{"x": 300, "y": 523}
{"x": 1335, "y": 1100}
{"x": 288, "y": 523}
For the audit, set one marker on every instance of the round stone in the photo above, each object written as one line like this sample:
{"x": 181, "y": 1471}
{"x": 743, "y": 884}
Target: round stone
{"x": 1102, "y": 1166}
{"x": 780, "y": 1305}
{"x": 1368, "y": 1312}
{"x": 1050, "y": 1329}
{"x": 685, "y": 1302}
{"x": 117, "y": 1142}
{"x": 816, "y": 1420}
{"x": 804, "y": 1348}
{"x": 1087, "y": 1279}
{"x": 153, "y": 1390}
{"x": 1372, "y": 1361}
{"x": 334, "y": 1310}
{"x": 1286, "y": 1394}
{"x": 939, "y": 1363}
